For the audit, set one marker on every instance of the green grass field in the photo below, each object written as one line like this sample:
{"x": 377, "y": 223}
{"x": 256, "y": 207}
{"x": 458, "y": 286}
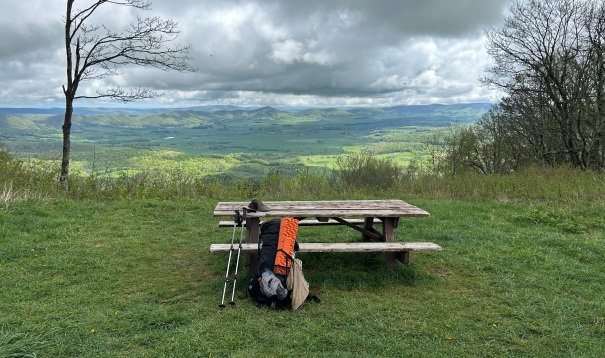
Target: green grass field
{"x": 134, "y": 278}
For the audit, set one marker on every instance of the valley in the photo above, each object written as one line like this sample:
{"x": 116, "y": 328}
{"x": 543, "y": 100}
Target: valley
{"x": 227, "y": 140}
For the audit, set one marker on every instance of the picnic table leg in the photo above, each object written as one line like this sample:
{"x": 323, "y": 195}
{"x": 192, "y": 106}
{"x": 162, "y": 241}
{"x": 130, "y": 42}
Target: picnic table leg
{"x": 252, "y": 229}
{"x": 388, "y": 225}
{"x": 404, "y": 257}
{"x": 368, "y": 224}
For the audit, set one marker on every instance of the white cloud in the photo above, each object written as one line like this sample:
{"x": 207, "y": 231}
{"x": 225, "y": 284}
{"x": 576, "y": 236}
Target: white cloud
{"x": 290, "y": 52}
{"x": 287, "y": 51}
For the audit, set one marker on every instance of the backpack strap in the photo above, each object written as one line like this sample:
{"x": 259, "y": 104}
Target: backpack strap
{"x": 258, "y": 255}
{"x": 313, "y": 298}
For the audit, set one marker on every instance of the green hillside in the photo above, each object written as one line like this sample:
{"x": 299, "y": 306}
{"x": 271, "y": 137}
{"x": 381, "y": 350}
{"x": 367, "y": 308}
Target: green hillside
{"x": 10, "y": 122}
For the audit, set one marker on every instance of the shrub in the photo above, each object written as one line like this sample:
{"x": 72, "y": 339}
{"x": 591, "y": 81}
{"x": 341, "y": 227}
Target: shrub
{"x": 22, "y": 180}
{"x": 363, "y": 170}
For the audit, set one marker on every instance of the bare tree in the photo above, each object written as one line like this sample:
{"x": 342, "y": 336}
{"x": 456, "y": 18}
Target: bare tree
{"x": 548, "y": 59}
{"x": 595, "y": 36}
{"x": 95, "y": 52}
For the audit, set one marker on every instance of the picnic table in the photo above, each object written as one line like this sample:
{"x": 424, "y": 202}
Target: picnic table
{"x": 359, "y": 215}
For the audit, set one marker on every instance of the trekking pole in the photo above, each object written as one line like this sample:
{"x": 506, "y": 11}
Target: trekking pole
{"x": 236, "y": 221}
{"x": 239, "y": 250}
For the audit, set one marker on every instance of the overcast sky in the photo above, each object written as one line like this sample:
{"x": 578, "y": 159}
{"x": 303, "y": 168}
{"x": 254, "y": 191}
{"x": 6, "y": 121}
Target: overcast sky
{"x": 258, "y": 52}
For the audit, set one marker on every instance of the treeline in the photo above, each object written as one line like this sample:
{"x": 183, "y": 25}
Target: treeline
{"x": 549, "y": 60}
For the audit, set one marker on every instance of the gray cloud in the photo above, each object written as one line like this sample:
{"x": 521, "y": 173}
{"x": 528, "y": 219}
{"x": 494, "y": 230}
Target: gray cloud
{"x": 268, "y": 52}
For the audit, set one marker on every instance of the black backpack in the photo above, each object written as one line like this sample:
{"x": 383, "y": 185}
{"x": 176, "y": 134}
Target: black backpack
{"x": 267, "y": 250}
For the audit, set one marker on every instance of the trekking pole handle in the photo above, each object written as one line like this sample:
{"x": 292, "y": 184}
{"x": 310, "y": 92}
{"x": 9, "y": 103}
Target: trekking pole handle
{"x": 245, "y": 210}
{"x": 238, "y": 218}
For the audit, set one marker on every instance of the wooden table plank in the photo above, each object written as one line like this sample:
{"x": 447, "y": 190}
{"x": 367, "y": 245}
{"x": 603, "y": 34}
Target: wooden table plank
{"x": 310, "y": 222}
{"x": 319, "y": 205}
{"x": 342, "y": 247}
{"x": 334, "y": 208}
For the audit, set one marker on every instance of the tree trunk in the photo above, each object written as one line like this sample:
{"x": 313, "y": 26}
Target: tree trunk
{"x": 69, "y": 99}
{"x": 66, "y": 141}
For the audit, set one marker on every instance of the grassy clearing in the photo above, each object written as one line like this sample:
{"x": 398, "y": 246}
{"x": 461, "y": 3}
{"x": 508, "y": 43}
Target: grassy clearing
{"x": 121, "y": 268}
{"x": 135, "y": 278}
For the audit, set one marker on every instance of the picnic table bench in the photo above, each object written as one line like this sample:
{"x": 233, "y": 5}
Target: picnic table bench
{"x": 360, "y": 215}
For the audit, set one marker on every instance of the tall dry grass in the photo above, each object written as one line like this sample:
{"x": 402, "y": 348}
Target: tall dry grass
{"x": 29, "y": 180}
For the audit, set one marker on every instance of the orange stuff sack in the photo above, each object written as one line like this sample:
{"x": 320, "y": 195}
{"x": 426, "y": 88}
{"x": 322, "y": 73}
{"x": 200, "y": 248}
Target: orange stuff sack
{"x": 285, "y": 246}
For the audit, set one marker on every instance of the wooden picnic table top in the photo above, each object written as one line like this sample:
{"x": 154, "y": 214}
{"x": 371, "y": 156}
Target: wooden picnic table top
{"x": 325, "y": 209}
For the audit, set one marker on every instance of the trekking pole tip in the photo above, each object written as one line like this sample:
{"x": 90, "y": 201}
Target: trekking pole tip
{"x": 232, "y": 303}
{"x": 221, "y": 306}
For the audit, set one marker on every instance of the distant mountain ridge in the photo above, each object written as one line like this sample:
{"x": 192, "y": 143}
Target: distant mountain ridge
{"x": 120, "y": 110}
{"x": 256, "y": 110}
{"x": 23, "y": 120}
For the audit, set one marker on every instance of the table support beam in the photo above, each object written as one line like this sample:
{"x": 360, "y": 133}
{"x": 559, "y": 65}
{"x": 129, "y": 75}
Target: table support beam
{"x": 367, "y": 232}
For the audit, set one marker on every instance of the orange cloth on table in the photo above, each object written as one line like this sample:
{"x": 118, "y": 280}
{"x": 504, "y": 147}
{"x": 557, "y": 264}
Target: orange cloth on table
{"x": 288, "y": 228}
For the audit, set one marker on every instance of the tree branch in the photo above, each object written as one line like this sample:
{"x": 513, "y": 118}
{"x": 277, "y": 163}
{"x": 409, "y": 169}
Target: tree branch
{"x": 119, "y": 93}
